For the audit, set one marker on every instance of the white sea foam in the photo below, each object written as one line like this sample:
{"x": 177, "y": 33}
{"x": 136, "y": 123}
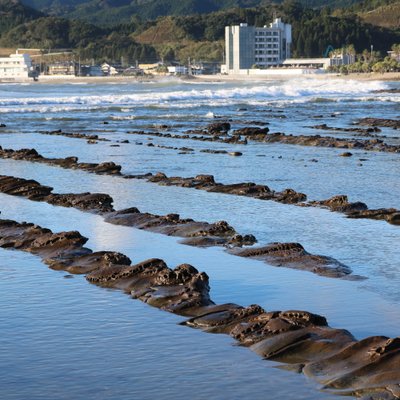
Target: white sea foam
{"x": 300, "y": 90}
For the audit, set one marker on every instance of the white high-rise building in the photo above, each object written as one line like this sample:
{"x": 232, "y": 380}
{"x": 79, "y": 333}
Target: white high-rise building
{"x": 249, "y": 46}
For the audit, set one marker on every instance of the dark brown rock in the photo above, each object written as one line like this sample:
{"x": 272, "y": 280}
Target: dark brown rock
{"x": 293, "y": 255}
{"x": 217, "y": 128}
{"x": 340, "y": 203}
{"x": 100, "y": 202}
{"x": 388, "y": 123}
{"x": 300, "y": 340}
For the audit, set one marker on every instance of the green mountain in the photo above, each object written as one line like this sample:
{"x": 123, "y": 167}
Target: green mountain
{"x": 108, "y": 12}
{"x": 13, "y": 13}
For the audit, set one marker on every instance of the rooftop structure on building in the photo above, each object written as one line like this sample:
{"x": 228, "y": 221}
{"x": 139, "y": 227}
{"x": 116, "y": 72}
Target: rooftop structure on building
{"x": 248, "y": 46}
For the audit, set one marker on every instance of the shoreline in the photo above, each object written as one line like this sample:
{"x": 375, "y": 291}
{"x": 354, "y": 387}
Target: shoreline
{"x": 373, "y": 76}
{"x": 47, "y": 79}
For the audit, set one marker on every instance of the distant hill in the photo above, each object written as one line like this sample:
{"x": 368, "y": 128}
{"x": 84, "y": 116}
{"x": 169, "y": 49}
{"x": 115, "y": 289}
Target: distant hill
{"x": 13, "y": 13}
{"x": 109, "y": 12}
{"x": 387, "y": 15}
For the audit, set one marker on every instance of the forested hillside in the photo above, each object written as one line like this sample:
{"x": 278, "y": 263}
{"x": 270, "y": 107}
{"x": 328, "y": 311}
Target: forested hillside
{"x": 199, "y": 36}
{"x": 13, "y": 13}
{"x": 108, "y": 12}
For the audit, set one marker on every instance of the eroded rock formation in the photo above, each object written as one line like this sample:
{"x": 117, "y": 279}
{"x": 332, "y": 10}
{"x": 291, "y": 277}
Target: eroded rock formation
{"x": 293, "y": 255}
{"x": 301, "y": 340}
{"x": 195, "y": 233}
{"x": 387, "y": 123}
{"x": 338, "y": 203}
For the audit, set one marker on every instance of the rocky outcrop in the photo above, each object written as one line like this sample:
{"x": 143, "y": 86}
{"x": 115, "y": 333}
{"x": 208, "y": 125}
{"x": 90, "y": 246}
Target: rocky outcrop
{"x": 29, "y": 188}
{"x": 194, "y": 233}
{"x": 33, "y": 190}
{"x": 86, "y": 263}
{"x": 207, "y": 182}
{"x": 293, "y": 255}
{"x": 241, "y": 136}
{"x": 358, "y": 131}
{"x": 106, "y": 168}
{"x": 248, "y": 189}
{"x": 202, "y": 234}
{"x": 328, "y": 141}
{"x": 387, "y": 123}
{"x": 300, "y": 340}
{"x": 391, "y": 215}
{"x": 252, "y": 133}
{"x": 218, "y": 128}
{"x": 99, "y": 202}
{"x": 340, "y": 203}
{"x": 75, "y": 135}
{"x": 358, "y": 210}
{"x": 198, "y": 135}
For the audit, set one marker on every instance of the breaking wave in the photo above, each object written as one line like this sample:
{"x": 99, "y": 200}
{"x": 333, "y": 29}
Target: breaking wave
{"x": 299, "y": 90}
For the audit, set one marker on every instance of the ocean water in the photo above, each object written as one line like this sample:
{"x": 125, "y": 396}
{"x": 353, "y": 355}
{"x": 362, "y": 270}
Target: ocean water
{"x": 63, "y": 338}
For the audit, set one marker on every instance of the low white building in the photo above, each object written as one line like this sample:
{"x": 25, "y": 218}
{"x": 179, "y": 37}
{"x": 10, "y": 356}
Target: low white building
{"x": 16, "y": 67}
{"x": 178, "y": 70}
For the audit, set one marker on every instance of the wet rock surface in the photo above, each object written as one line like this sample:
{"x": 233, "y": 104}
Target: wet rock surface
{"x": 208, "y": 183}
{"x": 387, "y": 123}
{"x": 198, "y": 135}
{"x": 340, "y": 203}
{"x": 293, "y": 255}
{"x": 359, "y": 131}
{"x": 328, "y": 141}
{"x": 195, "y": 233}
{"x": 249, "y": 189}
{"x": 243, "y": 135}
{"x": 358, "y": 210}
{"x": 106, "y": 168}
{"x": 33, "y": 190}
{"x": 391, "y": 215}
{"x": 300, "y": 340}
{"x": 202, "y": 234}
{"x": 74, "y": 135}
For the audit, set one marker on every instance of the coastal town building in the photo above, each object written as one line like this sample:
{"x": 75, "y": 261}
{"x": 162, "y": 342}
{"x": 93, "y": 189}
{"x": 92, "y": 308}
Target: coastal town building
{"x": 177, "y": 70}
{"x": 248, "y": 46}
{"x": 16, "y": 67}
{"x": 62, "y": 68}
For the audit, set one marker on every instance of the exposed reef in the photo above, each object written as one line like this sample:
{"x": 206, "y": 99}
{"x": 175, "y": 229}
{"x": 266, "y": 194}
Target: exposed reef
{"x": 368, "y": 132}
{"x": 207, "y": 182}
{"x": 202, "y": 234}
{"x": 300, "y": 340}
{"x": 106, "y": 168}
{"x": 222, "y": 132}
{"x": 194, "y": 233}
{"x": 249, "y": 189}
{"x": 387, "y": 123}
{"x": 358, "y": 209}
{"x": 264, "y": 136}
{"x": 293, "y": 255}
{"x": 332, "y": 142}
{"x": 74, "y": 135}
{"x": 33, "y": 190}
